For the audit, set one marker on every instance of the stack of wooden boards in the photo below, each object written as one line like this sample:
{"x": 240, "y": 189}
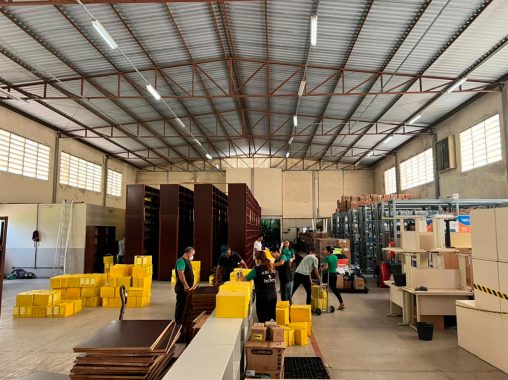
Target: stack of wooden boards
{"x": 296, "y": 321}
{"x": 132, "y": 349}
{"x": 200, "y": 299}
{"x": 44, "y": 304}
{"x": 136, "y": 278}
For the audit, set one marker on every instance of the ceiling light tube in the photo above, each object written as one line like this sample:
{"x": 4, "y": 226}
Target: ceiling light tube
{"x": 217, "y": 166}
{"x": 9, "y": 95}
{"x": 291, "y": 140}
{"x": 208, "y": 156}
{"x": 313, "y": 30}
{"x": 457, "y": 85}
{"x": 302, "y": 87}
{"x": 388, "y": 139}
{"x": 104, "y": 34}
{"x": 153, "y": 92}
{"x": 196, "y": 140}
{"x": 287, "y": 155}
{"x": 371, "y": 153}
{"x": 295, "y": 120}
{"x": 180, "y": 123}
{"x": 415, "y": 119}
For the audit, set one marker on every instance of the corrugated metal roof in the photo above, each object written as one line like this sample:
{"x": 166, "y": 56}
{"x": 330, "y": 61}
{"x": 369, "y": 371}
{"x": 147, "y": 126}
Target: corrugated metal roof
{"x": 213, "y": 33}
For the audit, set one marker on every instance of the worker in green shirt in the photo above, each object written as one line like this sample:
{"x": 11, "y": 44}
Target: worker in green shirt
{"x": 184, "y": 281}
{"x": 330, "y": 269}
{"x": 283, "y": 265}
{"x": 263, "y": 275}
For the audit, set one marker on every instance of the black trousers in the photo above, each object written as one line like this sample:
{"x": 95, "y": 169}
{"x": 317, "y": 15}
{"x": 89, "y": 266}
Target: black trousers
{"x": 301, "y": 279}
{"x": 181, "y": 297}
{"x": 265, "y": 308}
{"x": 332, "y": 283}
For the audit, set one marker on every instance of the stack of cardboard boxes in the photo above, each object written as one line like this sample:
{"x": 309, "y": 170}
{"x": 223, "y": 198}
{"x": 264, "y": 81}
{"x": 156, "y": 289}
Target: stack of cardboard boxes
{"x": 233, "y": 299}
{"x": 353, "y": 201}
{"x": 80, "y": 286}
{"x": 357, "y": 283}
{"x": 296, "y": 320}
{"x": 45, "y": 304}
{"x": 265, "y": 351}
{"x": 137, "y": 280}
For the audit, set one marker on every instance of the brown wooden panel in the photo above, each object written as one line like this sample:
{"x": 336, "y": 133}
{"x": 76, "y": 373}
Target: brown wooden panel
{"x": 203, "y": 226}
{"x": 89, "y": 248}
{"x": 3, "y": 242}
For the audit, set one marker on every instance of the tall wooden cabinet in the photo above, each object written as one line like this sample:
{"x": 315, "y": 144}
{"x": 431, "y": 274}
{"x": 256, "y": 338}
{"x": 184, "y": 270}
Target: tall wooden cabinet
{"x": 142, "y": 224}
{"x": 210, "y": 225}
{"x": 244, "y": 217}
{"x": 99, "y": 242}
{"x": 176, "y": 226}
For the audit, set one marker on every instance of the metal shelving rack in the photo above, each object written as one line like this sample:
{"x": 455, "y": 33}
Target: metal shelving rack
{"x": 371, "y": 228}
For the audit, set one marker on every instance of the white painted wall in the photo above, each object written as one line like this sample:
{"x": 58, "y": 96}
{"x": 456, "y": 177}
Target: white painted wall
{"x": 19, "y": 189}
{"x": 486, "y": 182}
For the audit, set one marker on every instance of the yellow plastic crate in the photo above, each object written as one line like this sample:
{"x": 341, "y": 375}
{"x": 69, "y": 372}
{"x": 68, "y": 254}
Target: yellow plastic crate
{"x": 301, "y": 337}
{"x": 282, "y": 316}
{"x": 105, "y": 302}
{"x": 90, "y": 292}
{"x": 25, "y": 299}
{"x": 289, "y": 336}
{"x": 44, "y": 298}
{"x": 132, "y": 301}
{"x": 282, "y": 304}
{"x": 73, "y": 293}
{"x": 142, "y": 270}
{"x": 73, "y": 281}
{"x": 107, "y": 291}
{"x": 15, "y": 311}
{"x": 231, "y": 305}
{"x": 125, "y": 281}
{"x": 300, "y": 313}
{"x": 145, "y": 260}
{"x": 66, "y": 309}
{"x": 108, "y": 260}
{"x": 59, "y": 282}
{"x": 92, "y": 301}
{"x": 135, "y": 292}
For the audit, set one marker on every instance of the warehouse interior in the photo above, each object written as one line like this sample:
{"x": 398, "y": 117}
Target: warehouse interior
{"x": 156, "y": 155}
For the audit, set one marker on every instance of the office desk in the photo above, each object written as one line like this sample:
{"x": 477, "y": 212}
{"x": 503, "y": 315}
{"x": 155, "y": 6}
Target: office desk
{"x": 396, "y": 299}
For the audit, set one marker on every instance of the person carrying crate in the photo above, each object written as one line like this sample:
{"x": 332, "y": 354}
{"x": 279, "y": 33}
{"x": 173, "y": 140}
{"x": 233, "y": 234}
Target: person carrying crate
{"x": 330, "y": 269}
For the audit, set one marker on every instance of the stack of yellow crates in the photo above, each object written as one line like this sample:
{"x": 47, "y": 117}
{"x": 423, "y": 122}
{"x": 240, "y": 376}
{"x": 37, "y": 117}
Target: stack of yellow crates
{"x": 80, "y": 286}
{"x": 108, "y": 261}
{"x": 234, "y": 275}
{"x": 44, "y": 304}
{"x": 319, "y": 298}
{"x": 137, "y": 280}
{"x": 296, "y": 320}
{"x": 233, "y": 299}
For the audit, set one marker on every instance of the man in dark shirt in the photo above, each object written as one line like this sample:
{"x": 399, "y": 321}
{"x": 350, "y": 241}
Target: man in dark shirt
{"x": 228, "y": 261}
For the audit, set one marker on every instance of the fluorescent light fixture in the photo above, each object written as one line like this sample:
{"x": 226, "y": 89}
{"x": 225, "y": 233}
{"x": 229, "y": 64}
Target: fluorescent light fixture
{"x": 302, "y": 87}
{"x": 457, "y": 85}
{"x": 9, "y": 95}
{"x": 104, "y": 34}
{"x": 153, "y": 92}
{"x": 196, "y": 140}
{"x": 181, "y": 123}
{"x": 371, "y": 153}
{"x": 313, "y": 30}
{"x": 295, "y": 120}
{"x": 415, "y": 119}
{"x": 217, "y": 166}
{"x": 208, "y": 156}
{"x": 388, "y": 139}
{"x": 287, "y": 155}
{"x": 291, "y": 140}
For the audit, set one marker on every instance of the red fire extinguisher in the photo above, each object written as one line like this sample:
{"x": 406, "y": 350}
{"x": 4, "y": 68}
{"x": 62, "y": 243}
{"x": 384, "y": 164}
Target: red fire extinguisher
{"x": 384, "y": 274}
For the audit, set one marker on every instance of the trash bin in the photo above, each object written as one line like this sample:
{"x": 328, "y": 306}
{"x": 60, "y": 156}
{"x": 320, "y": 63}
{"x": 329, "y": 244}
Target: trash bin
{"x": 425, "y": 330}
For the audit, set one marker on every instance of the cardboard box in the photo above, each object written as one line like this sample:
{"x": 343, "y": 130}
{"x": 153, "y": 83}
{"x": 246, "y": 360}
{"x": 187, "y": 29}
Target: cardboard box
{"x": 503, "y": 285}
{"x": 265, "y": 356}
{"x": 264, "y": 374}
{"x": 340, "y": 281}
{"x": 502, "y": 236}
{"x": 275, "y": 334}
{"x": 258, "y": 332}
{"x": 486, "y": 274}
{"x": 347, "y": 284}
{"x": 359, "y": 283}
{"x": 483, "y": 233}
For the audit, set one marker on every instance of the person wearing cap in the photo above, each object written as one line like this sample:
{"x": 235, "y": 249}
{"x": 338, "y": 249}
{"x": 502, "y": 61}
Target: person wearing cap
{"x": 228, "y": 261}
{"x": 184, "y": 281}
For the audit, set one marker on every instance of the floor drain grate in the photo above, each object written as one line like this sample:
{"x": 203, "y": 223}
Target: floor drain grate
{"x": 304, "y": 368}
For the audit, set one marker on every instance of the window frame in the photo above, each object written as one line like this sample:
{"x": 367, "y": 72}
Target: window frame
{"x": 80, "y": 173}
{"x": 422, "y": 165}
{"x": 113, "y": 182}
{"x": 392, "y": 177}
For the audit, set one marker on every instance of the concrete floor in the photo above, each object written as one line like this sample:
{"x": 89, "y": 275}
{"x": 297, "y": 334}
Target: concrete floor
{"x": 357, "y": 343}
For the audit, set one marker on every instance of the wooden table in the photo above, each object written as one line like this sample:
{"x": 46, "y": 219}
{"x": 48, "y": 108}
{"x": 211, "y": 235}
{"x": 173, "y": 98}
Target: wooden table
{"x": 396, "y": 299}
{"x": 426, "y": 305}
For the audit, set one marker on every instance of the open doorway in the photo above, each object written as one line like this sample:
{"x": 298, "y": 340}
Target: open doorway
{"x": 3, "y": 242}
{"x": 270, "y": 229}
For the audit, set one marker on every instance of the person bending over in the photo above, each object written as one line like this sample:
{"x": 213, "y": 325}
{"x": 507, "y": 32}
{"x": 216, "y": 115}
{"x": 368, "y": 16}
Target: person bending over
{"x": 308, "y": 265}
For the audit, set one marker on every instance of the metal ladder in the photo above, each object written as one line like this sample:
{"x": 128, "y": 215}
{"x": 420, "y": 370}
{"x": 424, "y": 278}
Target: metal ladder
{"x": 63, "y": 237}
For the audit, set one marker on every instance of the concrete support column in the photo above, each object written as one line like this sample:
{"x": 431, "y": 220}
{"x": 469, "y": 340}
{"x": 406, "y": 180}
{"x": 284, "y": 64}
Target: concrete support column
{"x": 56, "y": 167}
{"x": 437, "y": 188}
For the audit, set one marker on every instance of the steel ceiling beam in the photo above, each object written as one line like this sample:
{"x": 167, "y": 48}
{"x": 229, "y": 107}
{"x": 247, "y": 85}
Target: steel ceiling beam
{"x": 475, "y": 14}
{"x": 480, "y": 61}
{"x": 267, "y": 77}
{"x": 33, "y": 3}
{"x": 135, "y": 86}
{"x": 343, "y": 64}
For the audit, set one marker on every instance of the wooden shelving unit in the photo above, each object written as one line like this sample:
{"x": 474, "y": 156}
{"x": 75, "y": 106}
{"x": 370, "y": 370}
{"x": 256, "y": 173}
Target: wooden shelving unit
{"x": 244, "y": 215}
{"x": 176, "y": 226}
{"x": 210, "y": 225}
{"x": 142, "y": 224}
{"x": 99, "y": 242}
